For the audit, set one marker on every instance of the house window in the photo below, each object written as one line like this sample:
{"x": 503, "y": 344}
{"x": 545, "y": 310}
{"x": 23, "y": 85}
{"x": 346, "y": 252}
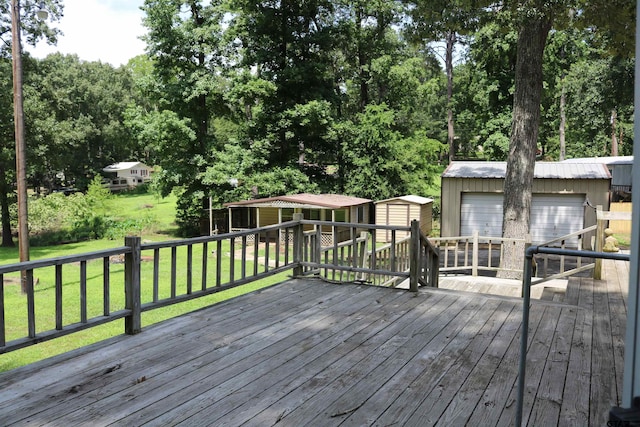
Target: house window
{"x": 340, "y": 215}
{"x": 144, "y": 172}
{"x": 360, "y": 214}
{"x": 134, "y": 171}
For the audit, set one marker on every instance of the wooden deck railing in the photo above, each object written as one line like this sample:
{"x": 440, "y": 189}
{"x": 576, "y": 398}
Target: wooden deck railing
{"x": 94, "y": 288}
{"x": 474, "y": 254}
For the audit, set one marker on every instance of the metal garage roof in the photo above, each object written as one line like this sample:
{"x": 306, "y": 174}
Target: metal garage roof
{"x": 543, "y": 170}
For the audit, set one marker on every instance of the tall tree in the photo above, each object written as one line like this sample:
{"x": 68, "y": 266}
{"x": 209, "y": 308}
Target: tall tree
{"x": 32, "y": 30}
{"x": 534, "y": 20}
{"x": 186, "y": 44}
{"x": 447, "y": 21}
{"x": 532, "y": 36}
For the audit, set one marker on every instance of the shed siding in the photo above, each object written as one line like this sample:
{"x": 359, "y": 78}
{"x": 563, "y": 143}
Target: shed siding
{"x": 268, "y": 216}
{"x": 401, "y": 213}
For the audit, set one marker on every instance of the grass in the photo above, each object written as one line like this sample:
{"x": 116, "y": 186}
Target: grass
{"x": 162, "y": 228}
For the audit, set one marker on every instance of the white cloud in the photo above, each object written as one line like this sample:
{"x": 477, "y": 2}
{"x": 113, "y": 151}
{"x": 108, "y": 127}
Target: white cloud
{"x": 96, "y": 30}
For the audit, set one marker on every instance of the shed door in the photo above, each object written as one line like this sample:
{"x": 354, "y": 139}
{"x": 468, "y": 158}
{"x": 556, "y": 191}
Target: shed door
{"x": 552, "y": 215}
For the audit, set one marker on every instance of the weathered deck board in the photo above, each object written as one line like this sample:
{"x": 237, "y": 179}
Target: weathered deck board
{"x": 307, "y": 352}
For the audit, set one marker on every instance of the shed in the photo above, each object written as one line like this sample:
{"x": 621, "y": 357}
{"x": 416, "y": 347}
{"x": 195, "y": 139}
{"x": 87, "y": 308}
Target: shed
{"x": 565, "y": 196}
{"x": 323, "y": 207}
{"x": 400, "y": 211}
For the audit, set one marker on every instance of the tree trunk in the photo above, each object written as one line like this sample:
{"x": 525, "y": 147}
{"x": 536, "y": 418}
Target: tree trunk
{"x": 523, "y": 143}
{"x": 7, "y": 238}
{"x": 563, "y": 121}
{"x": 451, "y": 39}
{"x": 614, "y": 138}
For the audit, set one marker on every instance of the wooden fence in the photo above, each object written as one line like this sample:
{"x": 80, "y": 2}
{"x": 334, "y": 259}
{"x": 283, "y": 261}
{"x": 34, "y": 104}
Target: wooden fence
{"x": 124, "y": 282}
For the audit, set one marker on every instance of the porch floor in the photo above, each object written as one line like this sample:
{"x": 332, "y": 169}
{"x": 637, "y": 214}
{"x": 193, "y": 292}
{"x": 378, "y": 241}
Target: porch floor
{"x": 306, "y": 352}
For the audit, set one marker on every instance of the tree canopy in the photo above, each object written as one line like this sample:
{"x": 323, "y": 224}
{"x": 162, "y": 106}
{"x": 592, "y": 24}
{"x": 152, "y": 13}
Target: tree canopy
{"x": 237, "y": 99}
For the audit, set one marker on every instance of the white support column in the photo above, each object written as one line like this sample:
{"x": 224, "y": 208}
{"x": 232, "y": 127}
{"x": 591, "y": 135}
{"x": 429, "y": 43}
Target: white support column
{"x": 631, "y": 376}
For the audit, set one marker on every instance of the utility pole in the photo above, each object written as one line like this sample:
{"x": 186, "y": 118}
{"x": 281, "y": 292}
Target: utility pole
{"x": 18, "y": 117}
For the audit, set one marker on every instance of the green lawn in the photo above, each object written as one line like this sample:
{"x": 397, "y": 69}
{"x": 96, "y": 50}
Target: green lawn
{"x": 162, "y": 229}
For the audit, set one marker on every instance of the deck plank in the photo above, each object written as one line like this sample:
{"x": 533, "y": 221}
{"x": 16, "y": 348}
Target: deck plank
{"x": 468, "y": 374}
{"x": 575, "y": 403}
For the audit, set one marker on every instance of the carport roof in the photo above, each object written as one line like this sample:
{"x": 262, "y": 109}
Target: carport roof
{"x": 304, "y": 200}
{"x": 543, "y": 170}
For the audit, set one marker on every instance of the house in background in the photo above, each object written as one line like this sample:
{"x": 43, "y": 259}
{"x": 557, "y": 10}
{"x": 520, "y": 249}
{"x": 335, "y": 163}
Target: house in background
{"x": 128, "y": 175}
{"x": 401, "y": 211}
{"x": 256, "y": 213}
{"x": 565, "y": 196}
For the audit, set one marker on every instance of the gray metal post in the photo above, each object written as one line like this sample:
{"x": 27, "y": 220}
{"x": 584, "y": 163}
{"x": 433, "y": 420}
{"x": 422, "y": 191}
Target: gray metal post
{"x": 524, "y": 334}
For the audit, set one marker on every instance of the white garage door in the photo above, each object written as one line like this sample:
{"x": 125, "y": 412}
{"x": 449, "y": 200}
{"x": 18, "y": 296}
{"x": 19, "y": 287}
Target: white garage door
{"x": 552, "y": 215}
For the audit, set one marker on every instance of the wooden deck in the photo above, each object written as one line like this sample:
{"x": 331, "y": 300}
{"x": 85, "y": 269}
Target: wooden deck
{"x": 307, "y": 352}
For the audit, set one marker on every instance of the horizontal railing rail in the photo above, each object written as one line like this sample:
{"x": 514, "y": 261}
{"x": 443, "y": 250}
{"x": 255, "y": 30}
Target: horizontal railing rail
{"x": 121, "y": 283}
{"x": 566, "y": 265}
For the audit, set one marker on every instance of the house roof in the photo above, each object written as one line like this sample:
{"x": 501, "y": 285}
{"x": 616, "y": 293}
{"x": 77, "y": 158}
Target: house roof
{"x": 304, "y": 200}
{"x": 611, "y": 160}
{"x": 418, "y": 200}
{"x": 543, "y": 170}
{"x": 121, "y": 166}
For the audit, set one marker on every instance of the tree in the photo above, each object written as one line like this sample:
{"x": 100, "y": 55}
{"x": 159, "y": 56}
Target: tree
{"x": 534, "y": 21}
{"x": 186, "y": 44}
{"x": 444, "y": 20}
{"x": 33, "y": 30}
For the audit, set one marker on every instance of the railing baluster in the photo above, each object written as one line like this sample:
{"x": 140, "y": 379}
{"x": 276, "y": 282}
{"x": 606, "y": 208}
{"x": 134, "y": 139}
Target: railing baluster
{"x": 31, "y": 305}
{"x": 174, "y": 257}
{"x": 266, "y": 252}
{"x": 243, "y": 257}
{"x": 156, "y": 274}
{"x": 219, "y": 263}
{"x": 256, "y": 253}
{"x": 205, "y": 259}
{"x": 232, "y": 260}
{"x": 106, "y": 286}
{"x": 277, "y": 254}
{"x": 83, "y": 291}
{"x": 189, "y": 269}
{"x": 58, "y": 272}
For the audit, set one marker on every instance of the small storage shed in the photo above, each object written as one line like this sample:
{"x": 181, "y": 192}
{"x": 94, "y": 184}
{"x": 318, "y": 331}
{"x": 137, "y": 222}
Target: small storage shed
{"x": 400, "y": 211}
{"x": 564, "y": 198}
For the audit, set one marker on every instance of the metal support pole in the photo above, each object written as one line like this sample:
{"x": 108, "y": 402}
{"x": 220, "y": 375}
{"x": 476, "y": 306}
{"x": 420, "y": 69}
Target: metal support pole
{"x": 524, "y": 334}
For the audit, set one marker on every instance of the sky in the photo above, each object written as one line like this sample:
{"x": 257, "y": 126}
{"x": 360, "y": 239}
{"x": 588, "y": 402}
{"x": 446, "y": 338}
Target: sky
{"x": 98, "y": 30}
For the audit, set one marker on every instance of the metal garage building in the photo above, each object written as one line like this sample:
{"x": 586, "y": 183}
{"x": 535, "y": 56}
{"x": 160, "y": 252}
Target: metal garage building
{"x": 564, "y": 198}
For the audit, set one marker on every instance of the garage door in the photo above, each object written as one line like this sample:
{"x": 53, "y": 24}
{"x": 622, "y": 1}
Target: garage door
{"x": 552, "y": 215}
